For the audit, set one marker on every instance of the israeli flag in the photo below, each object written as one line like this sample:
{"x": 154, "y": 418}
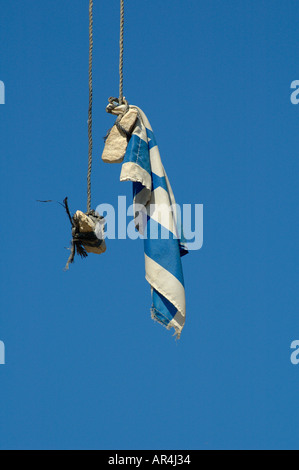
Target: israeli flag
{"x": 158, "y": 219}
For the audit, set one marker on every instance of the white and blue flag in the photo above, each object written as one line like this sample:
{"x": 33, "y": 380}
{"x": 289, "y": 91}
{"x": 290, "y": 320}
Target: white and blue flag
{"x": 158, "y": 219}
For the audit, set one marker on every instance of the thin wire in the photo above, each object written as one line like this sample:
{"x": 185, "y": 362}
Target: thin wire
{"x": 121, "y": 55}
{"x": 90, "y": 107}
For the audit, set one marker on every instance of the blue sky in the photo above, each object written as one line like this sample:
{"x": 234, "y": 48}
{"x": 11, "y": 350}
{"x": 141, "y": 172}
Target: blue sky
{"x": 86, "y": 368}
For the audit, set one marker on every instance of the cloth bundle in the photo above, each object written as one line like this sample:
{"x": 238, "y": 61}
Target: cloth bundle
{"x": 118, "y": 137}
{"x": 87, "y": 234}
{"x": 89, "y": 230}
{"x": 155, "y": 211}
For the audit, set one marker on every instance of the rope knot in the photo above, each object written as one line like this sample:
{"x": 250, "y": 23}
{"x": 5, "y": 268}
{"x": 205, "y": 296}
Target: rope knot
{"x": 114, "y": 103}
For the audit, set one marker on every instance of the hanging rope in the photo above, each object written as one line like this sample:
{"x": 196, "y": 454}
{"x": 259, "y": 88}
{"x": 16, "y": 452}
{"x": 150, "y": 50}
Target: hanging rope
{"x": 115, "y": 102}
{"x": 90, "y": 107}
{"x": 121, "y": 54}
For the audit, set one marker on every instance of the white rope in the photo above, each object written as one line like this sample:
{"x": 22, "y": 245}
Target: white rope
{"x": 121, "y": 54}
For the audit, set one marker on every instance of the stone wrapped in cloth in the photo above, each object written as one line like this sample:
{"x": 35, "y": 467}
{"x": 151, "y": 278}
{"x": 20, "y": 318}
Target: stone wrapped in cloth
{"x": 117, "y": 138}
{"x": 87, "y": 234}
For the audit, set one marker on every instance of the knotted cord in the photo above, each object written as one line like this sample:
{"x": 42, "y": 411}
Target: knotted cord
{"x": 121, "y": 53}
{"x": 121, "y": 99}
{"x": 90, "y": 106}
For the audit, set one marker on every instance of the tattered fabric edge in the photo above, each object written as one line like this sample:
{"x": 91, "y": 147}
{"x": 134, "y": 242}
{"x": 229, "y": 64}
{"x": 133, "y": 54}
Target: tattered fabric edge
{"x": 173, "y": 323}
{"x": 131, "y": 171}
